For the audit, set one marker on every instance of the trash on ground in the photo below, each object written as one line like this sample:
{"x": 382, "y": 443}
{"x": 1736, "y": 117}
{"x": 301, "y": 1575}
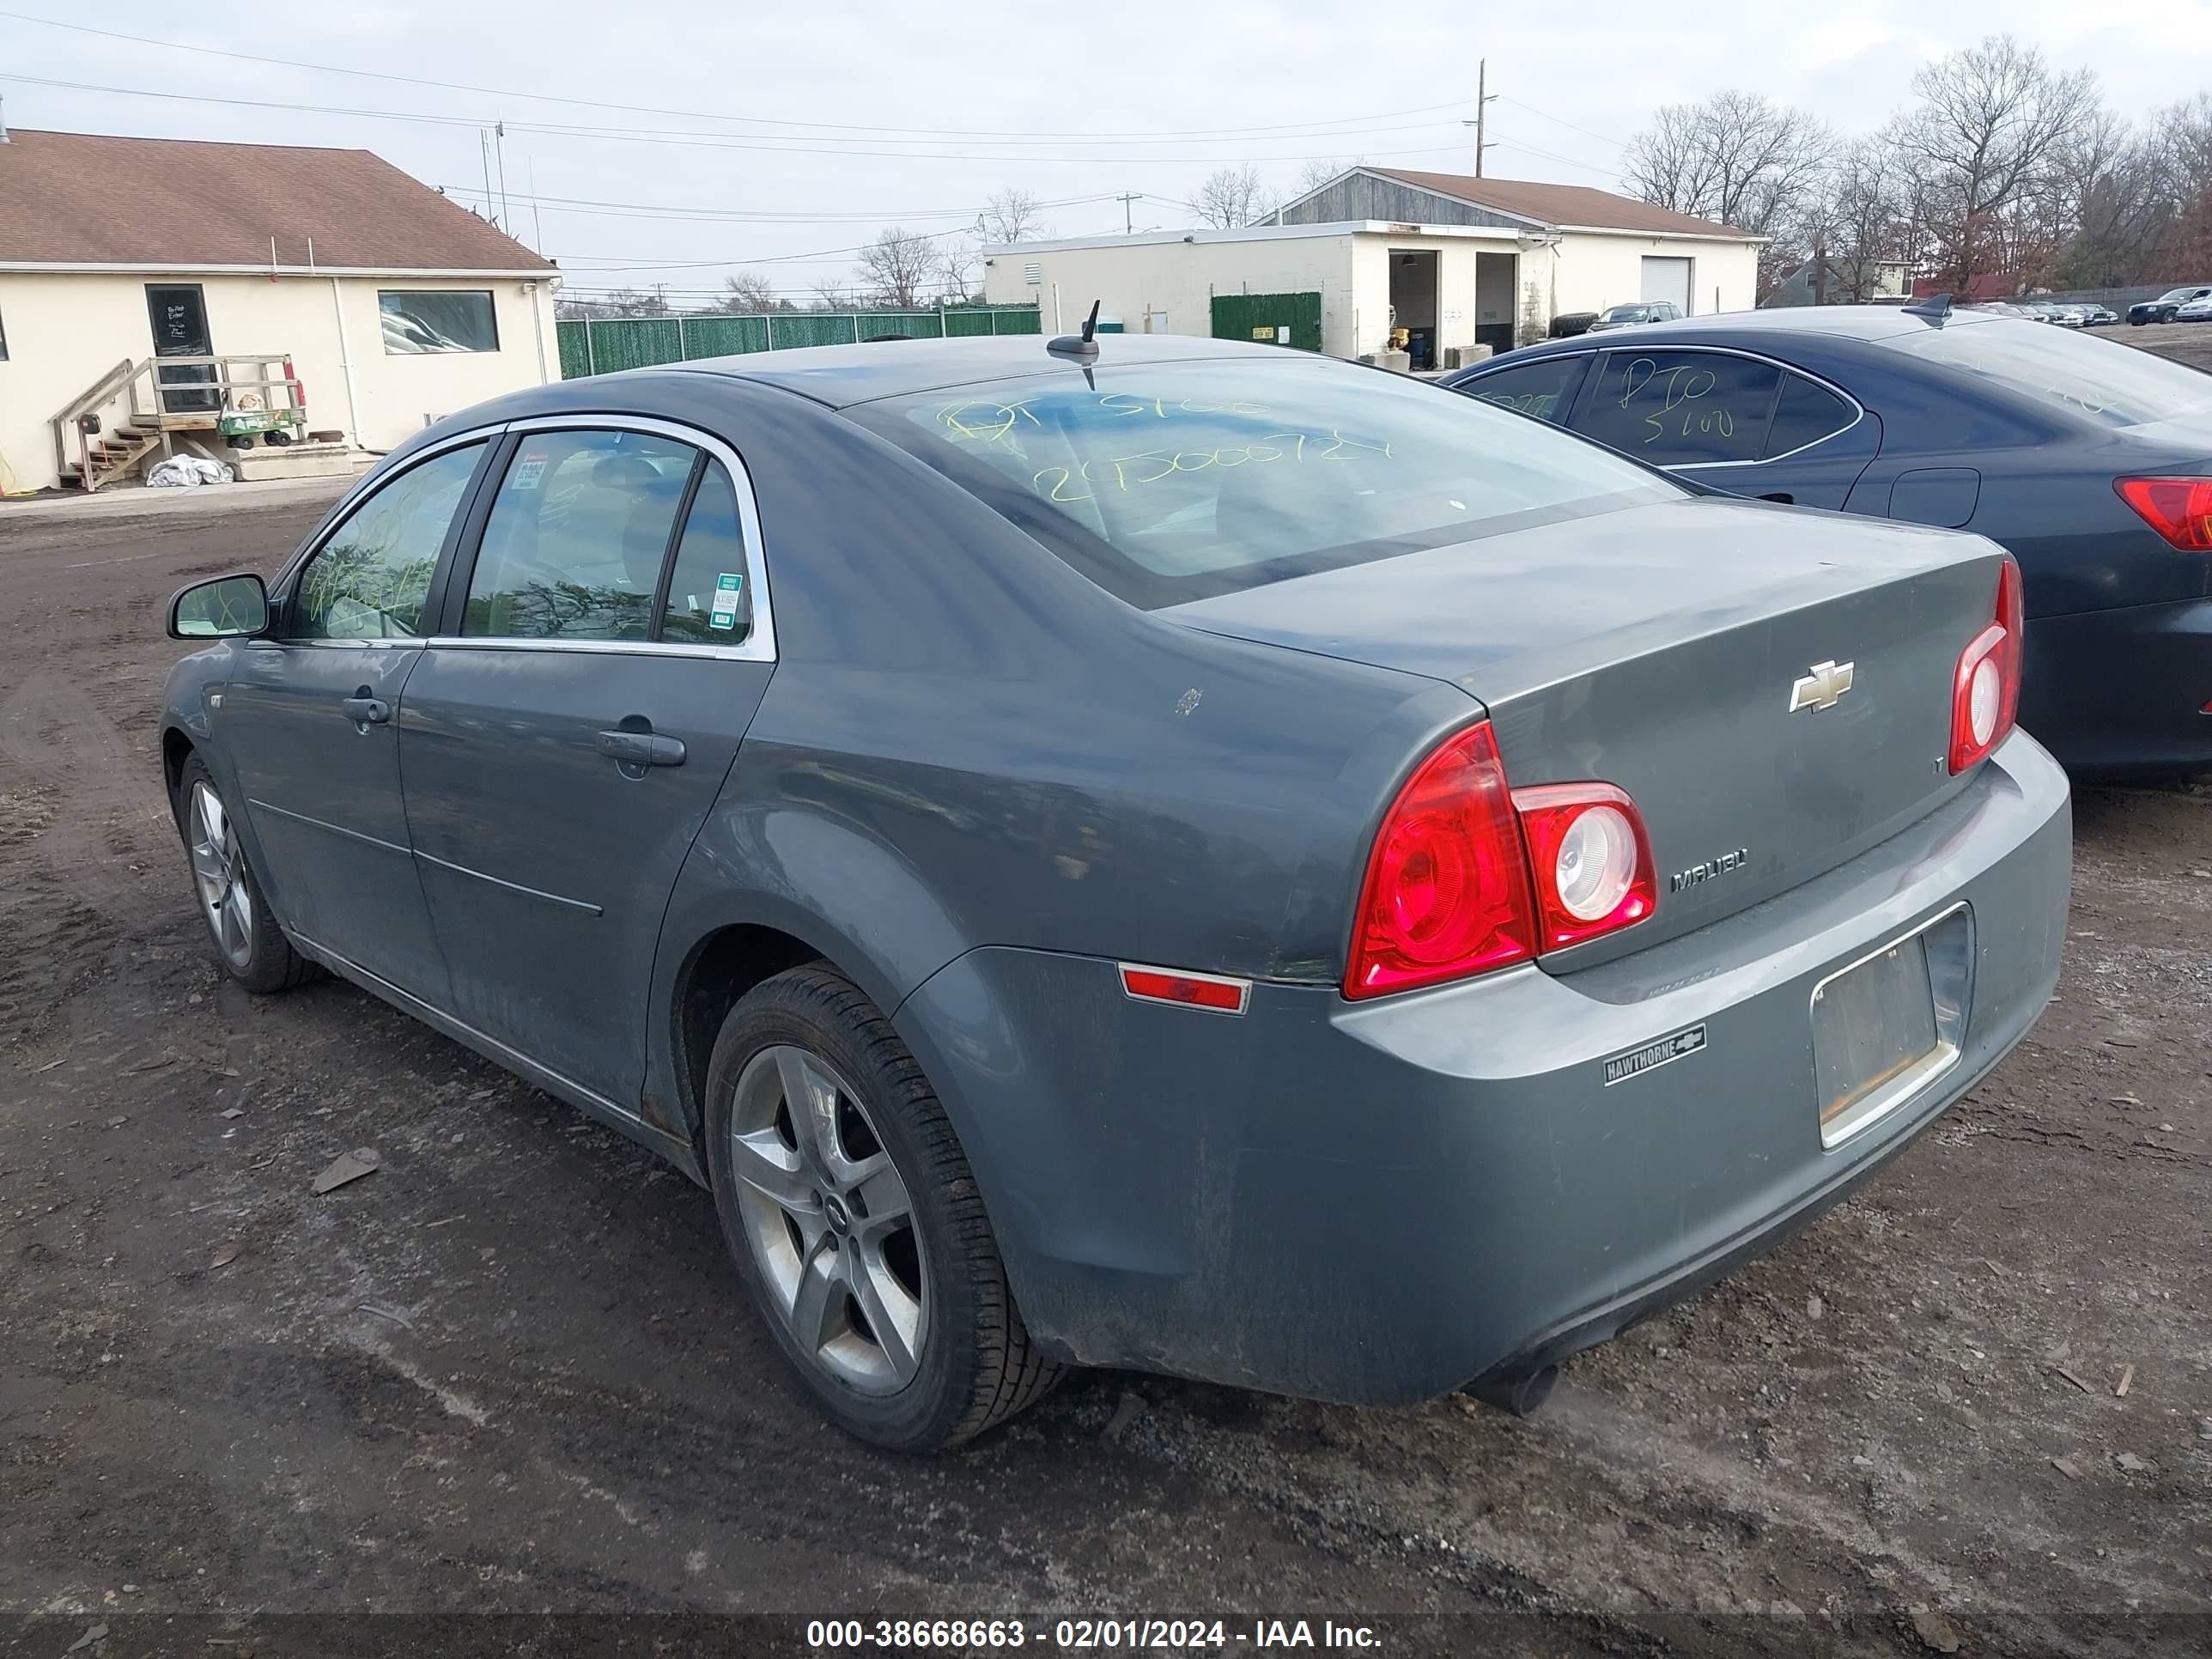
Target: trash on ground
{"x": 347, "y": 1166}
{"x": 185, "y": 472}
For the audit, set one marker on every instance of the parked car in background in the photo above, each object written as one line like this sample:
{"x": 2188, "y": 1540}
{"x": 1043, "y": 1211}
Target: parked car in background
{"x": 2164, "y": 308}
{"x": 2097, "y": 316}
{"x": 2090, "y": 460}
{"x": 1188, "y": 856}
{"x": 2194, "y": 311}
{"x": 1648, "y": 311}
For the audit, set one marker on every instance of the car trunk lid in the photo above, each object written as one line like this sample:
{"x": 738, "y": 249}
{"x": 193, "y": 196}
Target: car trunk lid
{"x": 1773, "y": 687}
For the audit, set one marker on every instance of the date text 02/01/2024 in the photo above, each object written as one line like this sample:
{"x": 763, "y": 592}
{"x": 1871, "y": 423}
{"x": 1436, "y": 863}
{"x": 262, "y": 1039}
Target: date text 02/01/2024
{"x": 1088, "y": 1634}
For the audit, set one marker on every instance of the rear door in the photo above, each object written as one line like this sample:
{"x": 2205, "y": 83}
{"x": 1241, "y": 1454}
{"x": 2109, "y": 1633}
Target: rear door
{"x": 1742, "y": 423}
{"x": 570, "y": 726}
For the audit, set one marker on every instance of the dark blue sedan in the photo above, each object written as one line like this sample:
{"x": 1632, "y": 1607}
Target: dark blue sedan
{"x": 2091, "y": 461}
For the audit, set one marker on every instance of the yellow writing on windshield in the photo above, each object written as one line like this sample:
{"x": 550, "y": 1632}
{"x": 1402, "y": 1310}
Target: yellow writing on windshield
{"x": 1682, "y": 389}
{"x": 1150, "y": 466}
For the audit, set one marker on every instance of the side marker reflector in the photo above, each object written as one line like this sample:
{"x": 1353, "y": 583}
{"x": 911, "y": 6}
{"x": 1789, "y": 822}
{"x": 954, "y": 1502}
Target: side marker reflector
{"x": 1211, "y": 992}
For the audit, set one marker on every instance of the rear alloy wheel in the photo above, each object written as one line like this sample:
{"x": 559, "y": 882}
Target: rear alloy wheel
{"x": 852, "y": 1216}
{"x": 254, "y": 949}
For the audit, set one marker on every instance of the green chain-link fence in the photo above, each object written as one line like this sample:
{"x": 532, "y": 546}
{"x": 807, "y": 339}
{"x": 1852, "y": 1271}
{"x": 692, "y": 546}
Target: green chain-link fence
{"x": 600, "y": 345}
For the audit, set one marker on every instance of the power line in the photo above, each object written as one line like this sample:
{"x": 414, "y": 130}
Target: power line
{"x": 693, "y": 141}
{"x": 753, "y": 216}
{"x": 1548, "y": 116}
{"x": 1293, "y": 128}
{"x": 1551, "y": 156}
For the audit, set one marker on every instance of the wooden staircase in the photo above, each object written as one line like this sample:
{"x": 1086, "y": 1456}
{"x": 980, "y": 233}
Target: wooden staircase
{"x": 132, "y": 411}
{"x": 115, "y": 453}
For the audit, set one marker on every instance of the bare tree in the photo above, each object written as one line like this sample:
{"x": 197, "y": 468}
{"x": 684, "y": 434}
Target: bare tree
{"x": 1734, "y": 157}
{"x": 1984, "y": 141}
{"x": 2114, "y": 205}
{"x": 1231, "y": 196}
{"x": 1318, "y": 170}
{"x": 1013, "y": 214}
{"x": 960, "y": 268}
{"x": 748, "y": 292}
{"x": 895, "y": 266}
{"x": 1858, "y": 225}
{"x": 618, "y": 303}
{"x": 830, "y": 295}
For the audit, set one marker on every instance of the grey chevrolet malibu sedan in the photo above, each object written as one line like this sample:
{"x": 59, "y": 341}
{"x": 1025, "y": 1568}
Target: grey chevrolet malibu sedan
{"x": 1197, "y": 857}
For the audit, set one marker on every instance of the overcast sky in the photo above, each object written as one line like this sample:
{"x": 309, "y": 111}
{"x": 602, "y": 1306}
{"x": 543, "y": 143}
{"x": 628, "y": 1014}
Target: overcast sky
{"x": 827, "y": 123}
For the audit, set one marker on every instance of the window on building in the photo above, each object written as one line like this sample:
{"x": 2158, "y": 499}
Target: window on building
{"x": 417, "y": 321}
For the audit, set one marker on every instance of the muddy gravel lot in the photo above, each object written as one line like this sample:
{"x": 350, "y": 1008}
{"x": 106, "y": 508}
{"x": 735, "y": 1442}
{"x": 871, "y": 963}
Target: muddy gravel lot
{"x": 510, "y": 1372}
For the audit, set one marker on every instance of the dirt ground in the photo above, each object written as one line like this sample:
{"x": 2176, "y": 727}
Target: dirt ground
{"x": 2185, "y": 342}
{"x": 511, "y": 1371}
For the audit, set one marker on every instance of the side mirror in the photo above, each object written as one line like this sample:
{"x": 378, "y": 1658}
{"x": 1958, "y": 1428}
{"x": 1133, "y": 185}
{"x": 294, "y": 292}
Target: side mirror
{"x": 229, "y": 607}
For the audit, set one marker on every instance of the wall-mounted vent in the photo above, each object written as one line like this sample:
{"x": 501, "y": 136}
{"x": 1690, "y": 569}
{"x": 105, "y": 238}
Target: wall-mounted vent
{"x": 1032, "y": 273}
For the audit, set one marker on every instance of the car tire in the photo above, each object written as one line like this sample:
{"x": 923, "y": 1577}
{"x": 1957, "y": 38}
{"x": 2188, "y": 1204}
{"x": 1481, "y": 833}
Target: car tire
{"x": 855, "y": 1221}
{"x": 248, "y": 941}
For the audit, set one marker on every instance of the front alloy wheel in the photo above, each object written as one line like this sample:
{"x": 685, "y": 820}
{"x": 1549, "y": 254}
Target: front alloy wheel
{"x": 829, "y": 1220}
{"x": 219, "y": 872}
{"x": 254, "y": 950}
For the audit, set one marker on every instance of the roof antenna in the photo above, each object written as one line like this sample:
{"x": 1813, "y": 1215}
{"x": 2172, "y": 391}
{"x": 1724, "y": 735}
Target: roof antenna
{"x": 1935, "y": 308}
{"x": 1085, "y": 344}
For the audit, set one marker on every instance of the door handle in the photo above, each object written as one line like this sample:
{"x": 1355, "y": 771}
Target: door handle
{"x": 641, "y": 748}
{"x": 365, "y": 710}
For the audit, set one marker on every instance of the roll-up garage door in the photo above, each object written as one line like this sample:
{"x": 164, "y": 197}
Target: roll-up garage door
{"x": 1667, "y": 279}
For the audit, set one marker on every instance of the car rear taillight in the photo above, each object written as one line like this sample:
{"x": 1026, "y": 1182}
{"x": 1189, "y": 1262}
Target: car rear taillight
{"x": 1591, "y": 861}
{"x": 2179, "y": 509}
{"x": 1449, "y": 890}
{"x": 1986, "y": 690}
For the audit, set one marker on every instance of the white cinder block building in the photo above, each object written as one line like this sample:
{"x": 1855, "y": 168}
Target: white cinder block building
{"x": 1455, "y": 261}
{"x": 118, "y": 256}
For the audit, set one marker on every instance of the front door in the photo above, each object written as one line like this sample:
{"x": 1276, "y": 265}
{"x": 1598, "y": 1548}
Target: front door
{"x": 312, "y": 718}
{"x": 565, "y": 737}
{"x": 178, "y": 312}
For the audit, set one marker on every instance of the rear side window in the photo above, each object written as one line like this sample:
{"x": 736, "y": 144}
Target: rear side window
{"x": 1544, "y": 388}
{"x": 1808, "y": 412}
{"x": 1170, "y": 481}
{"x": 577, "y": 536}
{"x": 710, "y": 599}
{"x": 1672, "y": 408}
{"x": 2101, "y": 381}
{"x": 369, "y": 579}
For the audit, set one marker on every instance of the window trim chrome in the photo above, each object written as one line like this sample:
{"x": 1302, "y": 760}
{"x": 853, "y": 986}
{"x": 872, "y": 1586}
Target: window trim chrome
{"x": 757, "y": 646}
{"x": 369, "y": 485}
{"x": 1858, "y": 409}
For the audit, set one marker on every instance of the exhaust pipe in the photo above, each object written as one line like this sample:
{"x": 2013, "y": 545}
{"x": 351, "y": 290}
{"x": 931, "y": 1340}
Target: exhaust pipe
{"x": 1518, "y": 1392}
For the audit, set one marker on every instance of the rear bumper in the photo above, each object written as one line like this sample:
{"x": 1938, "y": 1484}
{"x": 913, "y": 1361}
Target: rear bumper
{"x": 2123, "y": 691}
{"x": 1384, "y": 1201}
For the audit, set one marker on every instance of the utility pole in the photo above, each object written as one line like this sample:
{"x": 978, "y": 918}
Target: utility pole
{"x": 1128, "y": 224}
{"x": 1483, "y": 101}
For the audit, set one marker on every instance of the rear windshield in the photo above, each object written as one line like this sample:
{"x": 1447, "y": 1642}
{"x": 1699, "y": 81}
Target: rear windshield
{"x": 2102, "y": 380}
{"x": 1174, "y": 482}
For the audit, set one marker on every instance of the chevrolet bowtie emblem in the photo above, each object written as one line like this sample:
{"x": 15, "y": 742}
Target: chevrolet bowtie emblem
{"x": 1821, "y": 689}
